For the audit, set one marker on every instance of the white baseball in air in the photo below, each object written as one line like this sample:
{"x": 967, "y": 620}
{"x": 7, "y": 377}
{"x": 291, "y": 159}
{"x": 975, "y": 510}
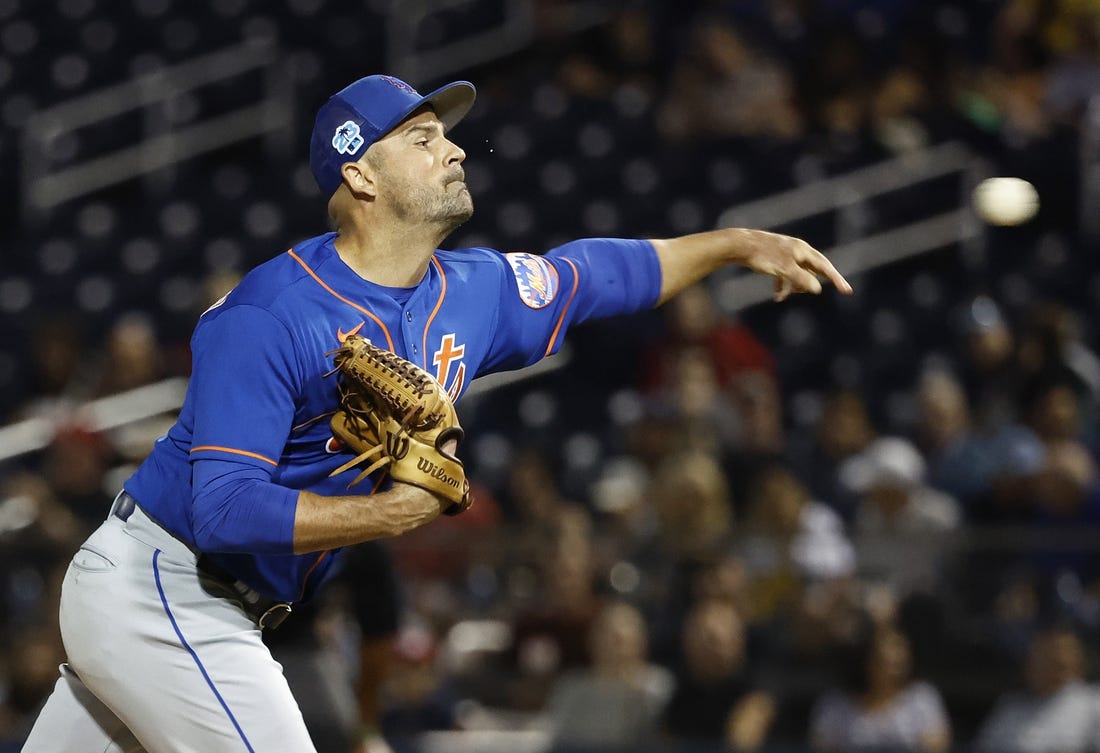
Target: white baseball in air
{"x": 1006, "y": 201}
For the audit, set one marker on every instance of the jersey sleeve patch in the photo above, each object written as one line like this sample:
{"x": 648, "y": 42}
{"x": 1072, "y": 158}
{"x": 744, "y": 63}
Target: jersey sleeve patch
{"x": 536, "y": 277}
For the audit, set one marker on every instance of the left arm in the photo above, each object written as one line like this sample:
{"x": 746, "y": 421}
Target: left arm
{"x": 793, "y": 263}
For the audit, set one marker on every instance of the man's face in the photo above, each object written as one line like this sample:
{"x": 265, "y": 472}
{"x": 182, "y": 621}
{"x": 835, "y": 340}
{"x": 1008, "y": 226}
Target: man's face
{"x": 420, "y": 175}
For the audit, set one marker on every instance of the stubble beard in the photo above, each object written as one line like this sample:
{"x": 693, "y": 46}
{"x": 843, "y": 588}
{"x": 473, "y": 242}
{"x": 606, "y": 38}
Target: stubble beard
{"x": 446, "y": 208}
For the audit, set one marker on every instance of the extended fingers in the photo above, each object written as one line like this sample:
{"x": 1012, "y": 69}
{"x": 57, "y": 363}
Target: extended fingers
{"x": 816, "y": 261}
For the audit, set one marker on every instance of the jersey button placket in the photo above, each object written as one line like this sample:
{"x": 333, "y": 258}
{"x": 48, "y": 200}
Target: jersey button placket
{"x": 409, "y": 318}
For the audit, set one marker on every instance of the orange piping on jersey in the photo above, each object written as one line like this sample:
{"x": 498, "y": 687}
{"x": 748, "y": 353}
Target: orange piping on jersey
{"x": 309, "y": 572}
{"x": 564, "y": 311}
{"x": 442, "y": 295}
{"x": 353, "y": 304}
{"x": 235, "y": 452}
{"x": 321, "y": 557}
{"x": 315, "y": 419}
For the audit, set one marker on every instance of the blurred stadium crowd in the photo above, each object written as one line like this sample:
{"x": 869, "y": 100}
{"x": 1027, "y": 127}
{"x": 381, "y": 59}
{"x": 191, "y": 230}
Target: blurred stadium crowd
{"x": 829, "y": 525}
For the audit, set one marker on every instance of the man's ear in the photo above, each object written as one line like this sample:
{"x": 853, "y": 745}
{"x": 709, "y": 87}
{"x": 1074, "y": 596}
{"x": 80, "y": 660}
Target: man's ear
{"x": 359, "y": 178}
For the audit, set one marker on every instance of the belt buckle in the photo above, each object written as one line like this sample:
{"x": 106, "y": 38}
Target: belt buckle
{"x": 274, "y": 616}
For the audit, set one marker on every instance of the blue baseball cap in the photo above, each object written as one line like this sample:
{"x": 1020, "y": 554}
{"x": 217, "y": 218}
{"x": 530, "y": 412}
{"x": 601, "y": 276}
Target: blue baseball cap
{"x": 365, "y": 111}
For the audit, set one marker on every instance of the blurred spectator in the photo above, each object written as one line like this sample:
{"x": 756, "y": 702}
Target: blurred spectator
{"x": 1015, "y": 457}
{"x": 716, "y": 700}
{"x": 792, "y": 539}
{"x": 693, "y": 320}
{"x": 895, "y": 107}
{"x": 842, "y": 430}
{"x": 532, "y": 496}
{"x": 618, "y": 701}
{"x": 901, "y": 521}
{"x": 1052, "y": 405}
{"x": 535, "y": 506}
{"x": 1050, "y": 341}
{"x": 76, "y": 464}
{"x": 627, "y": 521}
{"x": 659, "y": 432}
{"x": 695, "y": 367}
{"x": 1067, "y": 498}
{"x": 957, "y": 459}
{"x": 881, "y": 707}
{"x": 723, "y": 88}
{"x": 623, "y": 51}
{"x": 828, "y": 616}
{"x": 690, "y": 493}
{"x": 418, "y": 694}
{"x": 29, "y": 670}
{"x": 723, "y": 579}
{"x": 762, "y": 440}
{"x": 705, "y": 410}
{"x": 991, "y": 372}
{"x": 551, "y": 634}
{"x": 37, "y": 537}
{"x": 131, "y": 357}
{"x": 1074, "y": 79}
{"x": 1057, "y": 712}
{"x": 681, "y": 584}
{"x": 34, "y": 520}
{"x": 59, "y": 371}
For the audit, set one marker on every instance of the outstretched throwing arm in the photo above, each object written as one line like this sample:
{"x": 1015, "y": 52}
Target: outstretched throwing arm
{"x": 796, "y": 265}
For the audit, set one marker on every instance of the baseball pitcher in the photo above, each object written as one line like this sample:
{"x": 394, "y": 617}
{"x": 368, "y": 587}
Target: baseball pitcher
{"x": 319, "y": 415}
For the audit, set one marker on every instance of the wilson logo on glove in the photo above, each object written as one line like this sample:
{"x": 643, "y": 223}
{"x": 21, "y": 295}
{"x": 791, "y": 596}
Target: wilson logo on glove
{"x": 433, "y": 470}
{"x": 396, "y": 417}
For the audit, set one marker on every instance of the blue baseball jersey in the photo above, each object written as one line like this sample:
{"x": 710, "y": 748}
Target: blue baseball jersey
{"x": 254, "y": 427}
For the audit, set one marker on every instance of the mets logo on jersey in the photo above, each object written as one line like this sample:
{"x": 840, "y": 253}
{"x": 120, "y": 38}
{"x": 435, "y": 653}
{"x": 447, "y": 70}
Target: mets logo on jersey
{"x": 347, "y": 140}
{"x": 450, "y": 352}
{"x": 536, "y": 277}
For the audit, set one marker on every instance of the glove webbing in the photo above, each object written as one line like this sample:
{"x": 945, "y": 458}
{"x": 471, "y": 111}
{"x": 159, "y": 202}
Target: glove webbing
{"x": 402, "y": 387}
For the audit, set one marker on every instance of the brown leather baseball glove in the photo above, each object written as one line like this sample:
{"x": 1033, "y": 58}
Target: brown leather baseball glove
{"x": 397, "y": 418}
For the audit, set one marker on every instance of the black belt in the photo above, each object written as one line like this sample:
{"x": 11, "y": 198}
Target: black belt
{"x": 267, "y": 613}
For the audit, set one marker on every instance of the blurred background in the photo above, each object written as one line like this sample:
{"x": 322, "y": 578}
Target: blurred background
{"x": 864, "y": 523}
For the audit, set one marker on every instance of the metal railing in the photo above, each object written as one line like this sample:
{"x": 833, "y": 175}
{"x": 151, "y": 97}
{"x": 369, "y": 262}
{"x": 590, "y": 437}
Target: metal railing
{"x": 161, "y": 143}
{"x": 408, "y": 58}
{"x": 841, "y": 194}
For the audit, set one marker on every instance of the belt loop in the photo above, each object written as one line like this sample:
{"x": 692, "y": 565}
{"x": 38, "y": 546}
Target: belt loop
{"x": 123, "y": 506}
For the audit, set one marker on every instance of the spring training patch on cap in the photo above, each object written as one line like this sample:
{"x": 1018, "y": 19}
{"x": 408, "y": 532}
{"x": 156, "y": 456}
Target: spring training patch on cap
{"x": 536, "y": 277}
{"x": 347, "y": 139}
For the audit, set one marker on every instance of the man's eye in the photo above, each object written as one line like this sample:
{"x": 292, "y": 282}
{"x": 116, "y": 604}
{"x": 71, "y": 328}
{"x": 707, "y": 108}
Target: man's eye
{"x": 422, "y": 142}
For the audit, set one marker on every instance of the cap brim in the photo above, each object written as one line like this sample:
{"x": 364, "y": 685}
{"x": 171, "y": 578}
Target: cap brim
{"x": 450, "y": 104}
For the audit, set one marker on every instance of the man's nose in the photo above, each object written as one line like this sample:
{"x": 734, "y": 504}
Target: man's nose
{"x": 455, "y": 155}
